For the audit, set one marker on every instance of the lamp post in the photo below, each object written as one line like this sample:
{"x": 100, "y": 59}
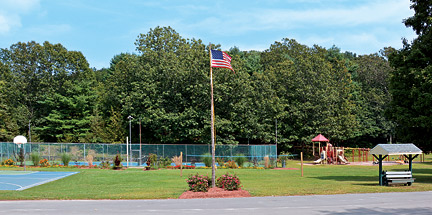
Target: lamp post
{"x": 140, "y": 156}
{"x": 130, "y": 133}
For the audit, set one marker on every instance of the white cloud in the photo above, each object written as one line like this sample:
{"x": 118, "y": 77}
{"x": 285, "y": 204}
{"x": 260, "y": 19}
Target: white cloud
{"x": 20, "y": 6}
{"x": 11, "y": 11}
{"x": 7, "y": 22}
{"x": 346, "y": 15}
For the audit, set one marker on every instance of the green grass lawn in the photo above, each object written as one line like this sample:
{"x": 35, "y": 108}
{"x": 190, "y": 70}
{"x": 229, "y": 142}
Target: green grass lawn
{"x": 162, "y": 184}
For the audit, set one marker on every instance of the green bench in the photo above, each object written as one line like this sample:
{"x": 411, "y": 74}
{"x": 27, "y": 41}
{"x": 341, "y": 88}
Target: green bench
{"x": 404, "y": 177}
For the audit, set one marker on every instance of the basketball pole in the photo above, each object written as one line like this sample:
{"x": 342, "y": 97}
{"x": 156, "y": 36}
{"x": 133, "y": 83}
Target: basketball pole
{"x": 24, "y": 156}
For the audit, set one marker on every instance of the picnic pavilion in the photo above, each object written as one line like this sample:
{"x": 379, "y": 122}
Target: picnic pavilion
{"x": 381, "y": 151}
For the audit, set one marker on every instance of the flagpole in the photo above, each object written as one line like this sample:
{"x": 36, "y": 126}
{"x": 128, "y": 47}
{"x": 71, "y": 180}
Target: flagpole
{"x": 212, "y": 123}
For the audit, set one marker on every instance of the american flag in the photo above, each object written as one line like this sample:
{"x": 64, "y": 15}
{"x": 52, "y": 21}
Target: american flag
{"x": 220, "y": 59}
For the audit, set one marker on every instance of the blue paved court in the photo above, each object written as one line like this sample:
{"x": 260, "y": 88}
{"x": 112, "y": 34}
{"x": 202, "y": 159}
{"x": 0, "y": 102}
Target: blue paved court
{"x": 21, "y": 180}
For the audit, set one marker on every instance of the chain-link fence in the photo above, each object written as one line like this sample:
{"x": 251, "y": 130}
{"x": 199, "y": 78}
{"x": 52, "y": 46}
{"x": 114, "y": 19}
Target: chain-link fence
{"x": 192, "y": 153}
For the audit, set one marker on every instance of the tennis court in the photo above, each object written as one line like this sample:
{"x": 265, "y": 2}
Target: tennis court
{"x": 21, "y": 180}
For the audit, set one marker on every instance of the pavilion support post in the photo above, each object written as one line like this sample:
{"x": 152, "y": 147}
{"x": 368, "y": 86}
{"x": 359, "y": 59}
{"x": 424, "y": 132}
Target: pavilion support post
{"x": 380, "y": 158}
{"x": 410, "y": 159}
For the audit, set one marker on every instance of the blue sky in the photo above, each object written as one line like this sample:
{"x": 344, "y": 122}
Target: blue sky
{"x": 101, "y": 29}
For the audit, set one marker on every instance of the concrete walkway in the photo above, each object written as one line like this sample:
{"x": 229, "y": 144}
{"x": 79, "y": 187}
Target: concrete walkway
{"x": 412, "y": 203}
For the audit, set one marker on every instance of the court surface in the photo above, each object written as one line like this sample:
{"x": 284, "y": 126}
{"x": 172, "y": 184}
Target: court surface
{"x": 21, "y": 180}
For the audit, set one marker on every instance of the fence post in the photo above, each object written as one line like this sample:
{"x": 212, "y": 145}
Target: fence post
{"x": 185, "y": 153}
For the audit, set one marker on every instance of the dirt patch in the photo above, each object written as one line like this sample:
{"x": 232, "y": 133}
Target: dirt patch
{"x": 215, "y": 193}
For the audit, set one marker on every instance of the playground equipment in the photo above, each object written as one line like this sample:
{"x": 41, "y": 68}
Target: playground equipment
{"x": 332, "y": 155}
{"x": 320, "y": 138}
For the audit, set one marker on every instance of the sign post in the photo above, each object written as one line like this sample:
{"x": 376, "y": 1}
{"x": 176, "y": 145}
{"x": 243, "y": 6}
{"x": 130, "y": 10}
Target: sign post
{"x": 20, "y": 141}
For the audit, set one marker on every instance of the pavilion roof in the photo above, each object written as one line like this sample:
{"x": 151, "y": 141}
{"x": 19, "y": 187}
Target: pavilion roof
{"x": 395, "y": 149}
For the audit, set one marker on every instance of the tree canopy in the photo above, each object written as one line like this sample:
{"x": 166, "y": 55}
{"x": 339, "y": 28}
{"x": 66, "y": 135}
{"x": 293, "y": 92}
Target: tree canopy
{"x": 165, "y": 86}
{"x": 411, "y": 80}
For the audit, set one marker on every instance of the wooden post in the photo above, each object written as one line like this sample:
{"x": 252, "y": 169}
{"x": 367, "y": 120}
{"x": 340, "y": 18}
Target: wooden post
{"x": 313, "y": 148}
{"x": 359, "y": 155}
{"x": 181, "y": 164}
{"x": 353, "y": 153}
{"x": 301, "y": 158}
{"x": 367, "y": 155}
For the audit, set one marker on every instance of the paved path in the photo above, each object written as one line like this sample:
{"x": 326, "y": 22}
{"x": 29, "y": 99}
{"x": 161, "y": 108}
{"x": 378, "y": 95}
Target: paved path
{"x": 413, "y": 203}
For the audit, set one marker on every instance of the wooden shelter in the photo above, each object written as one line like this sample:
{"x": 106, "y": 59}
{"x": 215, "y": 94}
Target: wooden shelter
{"x": 381, "y": 151}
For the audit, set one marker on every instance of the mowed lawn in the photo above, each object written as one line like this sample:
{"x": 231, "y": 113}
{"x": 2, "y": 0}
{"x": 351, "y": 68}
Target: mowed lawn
{"x": 162, "y": 184}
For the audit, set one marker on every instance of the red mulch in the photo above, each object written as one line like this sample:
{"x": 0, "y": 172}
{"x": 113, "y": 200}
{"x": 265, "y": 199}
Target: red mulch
{"x": 215, "y": 193}
{"x": 287, "y": 168}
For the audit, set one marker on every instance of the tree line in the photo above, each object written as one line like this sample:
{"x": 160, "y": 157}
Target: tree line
{"x": 298, "y": 90}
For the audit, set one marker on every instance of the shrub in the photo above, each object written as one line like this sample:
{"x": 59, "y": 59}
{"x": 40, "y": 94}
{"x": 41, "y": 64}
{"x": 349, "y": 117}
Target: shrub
{"x": 220, "y": 161}
{"x": 207, "y": 159}
{"x": 66, "y": 158}
{"x": 231, "y": 165}
{"x": 177, "y": 160}
{"x": 165, "y": 161}
{"x": 240, "y": 159}
{"x": 117, "y": 162}
{"x": 198, "y": 183}
{"x": 151, "y": 160}
{"x": 8, "y": 162}
{"x": 266, "y": 162}
{"x": 35, "y": 158}
{"x": 89, "y": 159}
{"x": 104, "y": 165}
{"x": 44, "y": 163}
{"x": 228, "y": 182}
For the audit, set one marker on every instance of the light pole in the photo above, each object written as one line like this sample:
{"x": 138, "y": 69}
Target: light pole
{"x": 30, "y": 130}
{"x": 130, "y": 133}
{"x": 140, "y": 156}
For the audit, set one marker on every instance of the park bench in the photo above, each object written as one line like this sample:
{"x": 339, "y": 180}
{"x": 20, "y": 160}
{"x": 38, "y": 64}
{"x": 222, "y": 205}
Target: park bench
{"x": 404, "y": 177}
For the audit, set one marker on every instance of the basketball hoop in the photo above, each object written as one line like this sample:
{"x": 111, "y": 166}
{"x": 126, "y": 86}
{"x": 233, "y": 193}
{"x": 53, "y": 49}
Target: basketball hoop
{"x": 19, "y": 140}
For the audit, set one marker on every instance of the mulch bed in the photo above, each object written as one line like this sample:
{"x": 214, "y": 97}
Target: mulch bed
{"x": 215, "y": 193}
{"x": 286, "y": 168}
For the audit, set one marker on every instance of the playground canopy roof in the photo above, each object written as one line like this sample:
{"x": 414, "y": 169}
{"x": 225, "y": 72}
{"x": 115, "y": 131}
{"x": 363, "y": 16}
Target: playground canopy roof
{"x": 395, "y": 149}
{"x": 320, "y": 138}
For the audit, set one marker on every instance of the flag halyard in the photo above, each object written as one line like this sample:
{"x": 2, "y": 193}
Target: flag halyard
{"x": 220, "y": 59}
